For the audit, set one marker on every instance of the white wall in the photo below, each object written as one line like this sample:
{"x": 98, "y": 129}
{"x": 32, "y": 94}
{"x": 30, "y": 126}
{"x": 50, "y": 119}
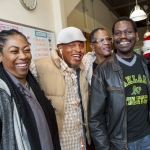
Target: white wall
{"x": 94, "y": 17}
{"x": 84, "y": 22}
{"x": 41, "y": 17}
{"x": 70, "y": 5}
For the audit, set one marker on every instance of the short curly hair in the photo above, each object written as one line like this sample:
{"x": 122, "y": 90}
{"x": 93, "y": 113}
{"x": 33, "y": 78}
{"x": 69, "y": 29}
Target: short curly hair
{"x": 124, "y": 18}
{"x": 91, "y": 37}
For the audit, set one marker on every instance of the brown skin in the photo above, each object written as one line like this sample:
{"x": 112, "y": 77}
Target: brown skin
{"x": 124, "y": 43}
{"x": 72, "y": 53}
{"x": 102, "y": 50}
{"x": 16, "y": 57}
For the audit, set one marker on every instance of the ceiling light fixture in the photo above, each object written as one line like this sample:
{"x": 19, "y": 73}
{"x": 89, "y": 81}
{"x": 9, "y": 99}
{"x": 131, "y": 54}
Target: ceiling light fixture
{"x": 137, "y": 13}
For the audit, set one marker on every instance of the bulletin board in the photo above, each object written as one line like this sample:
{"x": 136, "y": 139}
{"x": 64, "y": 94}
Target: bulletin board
{"x": 42, "y": 41}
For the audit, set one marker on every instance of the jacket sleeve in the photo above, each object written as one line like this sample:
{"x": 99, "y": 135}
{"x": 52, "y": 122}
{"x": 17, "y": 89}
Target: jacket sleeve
{"x": 33, "y": 70}
{"x": 97, "y": 118}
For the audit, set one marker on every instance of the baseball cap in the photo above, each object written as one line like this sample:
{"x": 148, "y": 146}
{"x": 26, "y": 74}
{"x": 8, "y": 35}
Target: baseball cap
{"x": 70, "y": 34}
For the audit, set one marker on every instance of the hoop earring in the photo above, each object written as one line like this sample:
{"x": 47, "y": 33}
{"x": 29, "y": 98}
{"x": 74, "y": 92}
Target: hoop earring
{"x": 137, "y": 39}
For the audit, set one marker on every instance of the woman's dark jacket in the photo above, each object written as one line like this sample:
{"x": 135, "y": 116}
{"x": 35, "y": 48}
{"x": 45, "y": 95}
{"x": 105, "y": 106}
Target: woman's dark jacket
{"x": 108, "y": 114}
{"x": 9, "y": 94}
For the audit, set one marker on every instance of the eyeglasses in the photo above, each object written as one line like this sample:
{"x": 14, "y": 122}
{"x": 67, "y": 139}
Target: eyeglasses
{"x": 126, "y": 32}
{"x": 101, "y": 41}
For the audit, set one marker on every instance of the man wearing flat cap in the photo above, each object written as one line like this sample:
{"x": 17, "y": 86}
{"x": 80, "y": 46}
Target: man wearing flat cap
{"x": 62, "y": 78}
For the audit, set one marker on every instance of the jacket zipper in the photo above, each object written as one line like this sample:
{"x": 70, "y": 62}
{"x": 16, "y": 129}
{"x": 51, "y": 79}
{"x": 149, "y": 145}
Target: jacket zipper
{"x": 114, "y": 89}
{"x": 122, "y": 79}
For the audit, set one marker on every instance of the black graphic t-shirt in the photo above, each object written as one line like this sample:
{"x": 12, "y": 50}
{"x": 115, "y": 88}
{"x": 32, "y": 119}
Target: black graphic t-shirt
{"x": 135, "y": 84}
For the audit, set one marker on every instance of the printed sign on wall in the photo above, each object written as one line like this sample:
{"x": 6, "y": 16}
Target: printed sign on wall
{"x": 42, "y": 41}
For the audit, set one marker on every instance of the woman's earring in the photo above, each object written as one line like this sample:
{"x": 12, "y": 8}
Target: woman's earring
{"x": 137, "y": 39}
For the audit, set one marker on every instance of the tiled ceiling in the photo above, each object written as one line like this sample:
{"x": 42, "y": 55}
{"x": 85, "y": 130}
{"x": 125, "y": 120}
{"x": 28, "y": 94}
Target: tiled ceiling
{"x": 124, "y": 7}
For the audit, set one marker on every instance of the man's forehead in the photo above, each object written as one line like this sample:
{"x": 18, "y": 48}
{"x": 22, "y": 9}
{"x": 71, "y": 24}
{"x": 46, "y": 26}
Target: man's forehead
{"x": 101, "y": 33}
{"x": 123, "y": 24}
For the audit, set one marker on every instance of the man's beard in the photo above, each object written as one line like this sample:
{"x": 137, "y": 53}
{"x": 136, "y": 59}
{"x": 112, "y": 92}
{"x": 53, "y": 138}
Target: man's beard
{"x": 126, "y": 51}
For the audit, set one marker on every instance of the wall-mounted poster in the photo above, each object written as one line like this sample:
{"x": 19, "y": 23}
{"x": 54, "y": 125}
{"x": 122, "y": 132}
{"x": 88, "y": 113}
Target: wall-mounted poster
{"x": 42, "y": 41}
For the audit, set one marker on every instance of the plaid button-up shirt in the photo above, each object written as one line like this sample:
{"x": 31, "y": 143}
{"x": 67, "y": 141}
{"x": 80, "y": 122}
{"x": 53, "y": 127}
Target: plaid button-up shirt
{"x": 72, "y": 136}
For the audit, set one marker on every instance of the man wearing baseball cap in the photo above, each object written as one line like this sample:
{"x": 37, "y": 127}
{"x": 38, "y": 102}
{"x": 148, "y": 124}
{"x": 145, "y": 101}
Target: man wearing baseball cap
{"x": 62, "y": 78}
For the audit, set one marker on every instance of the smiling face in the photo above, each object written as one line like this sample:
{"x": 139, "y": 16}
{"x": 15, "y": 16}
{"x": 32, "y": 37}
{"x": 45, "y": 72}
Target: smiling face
{"x": 16, "y": 56}
{"x": 72, "y": 53}
{"x": 124, "y": 38}
{"x": 102, "y": 49}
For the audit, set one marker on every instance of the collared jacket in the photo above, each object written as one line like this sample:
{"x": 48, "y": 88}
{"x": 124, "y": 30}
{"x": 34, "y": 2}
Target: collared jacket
{"x": 88, "y": 60}
{"x": 51, "y": 79}
{"x": 10, "y": 95}
{"x": 108, "y": 112}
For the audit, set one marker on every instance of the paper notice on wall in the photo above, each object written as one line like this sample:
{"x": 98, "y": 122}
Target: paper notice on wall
{"x": 42, "y": 42}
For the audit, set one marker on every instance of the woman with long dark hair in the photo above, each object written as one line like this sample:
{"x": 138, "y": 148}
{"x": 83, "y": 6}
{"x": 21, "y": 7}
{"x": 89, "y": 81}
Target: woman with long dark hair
{"x": 27, "y": 119}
